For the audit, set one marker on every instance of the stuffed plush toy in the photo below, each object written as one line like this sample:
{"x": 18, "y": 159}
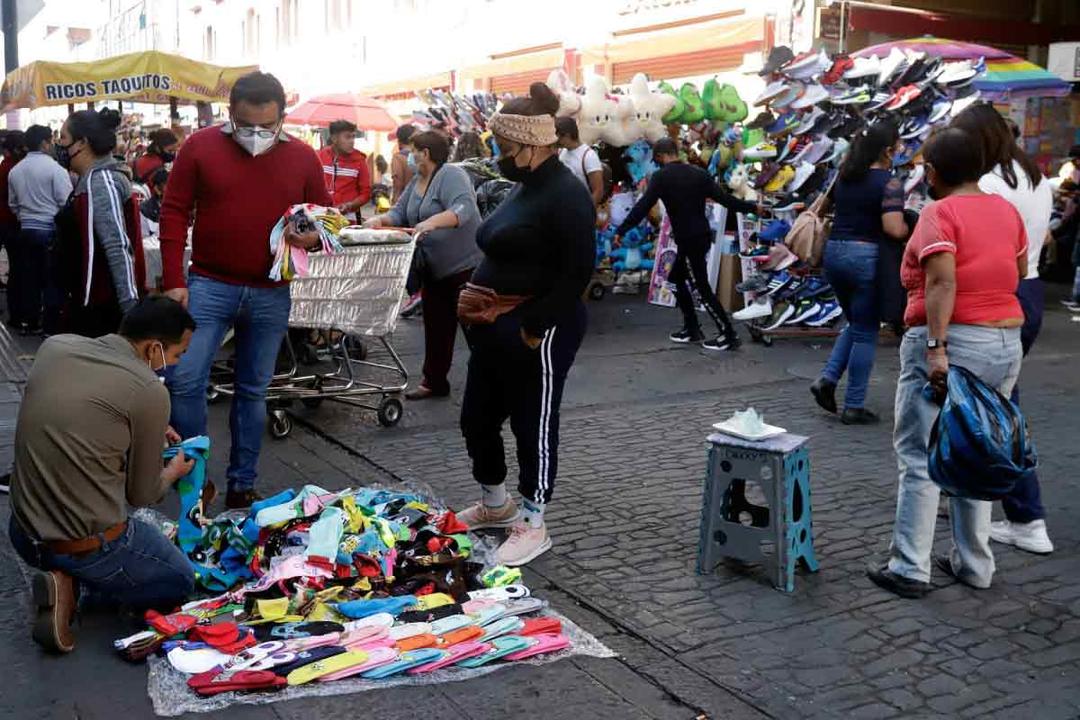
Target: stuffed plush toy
{"x": 597, "y": 112}
{"x": 651, "y": 107}
{"x": 738, "y": 179}
{"x": 639, "y": 162}
{"x": 695, "y": 108}
{"x": 623, "y": 129}
{"x": 674, "y": 115}
{"x": 569, "y": 101}
{"x": 633, "y": 250}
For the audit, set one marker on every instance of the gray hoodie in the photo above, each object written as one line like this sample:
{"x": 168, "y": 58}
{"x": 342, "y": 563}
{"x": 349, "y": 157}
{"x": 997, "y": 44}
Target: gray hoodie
{"x": 109, "y": 188}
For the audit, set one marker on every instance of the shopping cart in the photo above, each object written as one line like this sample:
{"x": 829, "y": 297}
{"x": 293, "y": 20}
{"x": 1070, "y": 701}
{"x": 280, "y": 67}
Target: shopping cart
{"x": 348, "y": 295}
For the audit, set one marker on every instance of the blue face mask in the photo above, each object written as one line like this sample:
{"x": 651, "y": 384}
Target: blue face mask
{"x": 411, "y": 162}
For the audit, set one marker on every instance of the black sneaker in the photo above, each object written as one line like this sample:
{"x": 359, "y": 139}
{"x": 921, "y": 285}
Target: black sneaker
{"x": 755, "y": 283}
{"x": 685, "y": 336}
{"x": 722, "y": 344}
{"x": 824, "y": 393}
{"x": 886, "y": 579}
{"x": 858, "y": 416}
{"x": 240, "y": 499}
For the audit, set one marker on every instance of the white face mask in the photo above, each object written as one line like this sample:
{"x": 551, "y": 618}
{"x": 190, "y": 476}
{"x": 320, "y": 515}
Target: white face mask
{"x": 161, "y": 349}
{"x": 256, "y": 139}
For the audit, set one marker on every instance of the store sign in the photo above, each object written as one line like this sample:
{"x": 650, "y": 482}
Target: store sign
{"x": 634, "y": 7}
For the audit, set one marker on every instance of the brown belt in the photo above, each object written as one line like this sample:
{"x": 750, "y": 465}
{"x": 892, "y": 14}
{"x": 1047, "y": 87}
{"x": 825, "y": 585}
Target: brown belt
{"x": 86, "y": 545}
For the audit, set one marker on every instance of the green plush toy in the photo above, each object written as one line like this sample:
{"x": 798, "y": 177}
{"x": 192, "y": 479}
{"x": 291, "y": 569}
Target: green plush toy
{"x": 734, "y": 107}
{"x": 695, "y": 107}
{"x": 711, "y": 97}
{"x": 673, "y": 116}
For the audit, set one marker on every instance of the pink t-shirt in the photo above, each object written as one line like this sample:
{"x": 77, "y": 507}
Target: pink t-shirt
{"x": 986, "y": 235}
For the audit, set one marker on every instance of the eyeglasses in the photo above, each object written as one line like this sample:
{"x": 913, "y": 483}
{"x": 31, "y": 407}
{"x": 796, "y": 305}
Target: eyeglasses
{"x": 249, "y": 131}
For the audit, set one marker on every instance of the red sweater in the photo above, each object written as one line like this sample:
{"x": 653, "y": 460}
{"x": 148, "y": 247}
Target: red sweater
{"x": 237, "y": 200}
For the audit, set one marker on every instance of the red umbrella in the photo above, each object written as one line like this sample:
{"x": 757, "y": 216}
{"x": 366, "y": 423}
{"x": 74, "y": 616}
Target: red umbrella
{"x": 362, "y": 111}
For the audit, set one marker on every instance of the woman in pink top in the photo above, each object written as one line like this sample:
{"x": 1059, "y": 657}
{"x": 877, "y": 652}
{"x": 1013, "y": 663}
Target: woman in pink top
{"x": 961, "y": 269}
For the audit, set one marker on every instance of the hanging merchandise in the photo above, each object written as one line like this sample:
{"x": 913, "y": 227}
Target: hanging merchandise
{"x": 291, "y": 261}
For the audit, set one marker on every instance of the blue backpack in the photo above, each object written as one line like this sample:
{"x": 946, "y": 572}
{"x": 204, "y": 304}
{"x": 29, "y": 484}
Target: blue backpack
{"x": 979, "y": 445}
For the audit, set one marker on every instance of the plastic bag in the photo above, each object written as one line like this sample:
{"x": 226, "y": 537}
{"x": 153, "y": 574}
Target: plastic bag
{"x": 979, "y": 445}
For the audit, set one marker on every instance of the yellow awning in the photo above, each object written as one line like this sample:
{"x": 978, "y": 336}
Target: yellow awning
{"x": 525, "y": 62}
{"x": 153, "y": 77}
{"x": 397, "y": 89}
{"x": 664, "y": 42}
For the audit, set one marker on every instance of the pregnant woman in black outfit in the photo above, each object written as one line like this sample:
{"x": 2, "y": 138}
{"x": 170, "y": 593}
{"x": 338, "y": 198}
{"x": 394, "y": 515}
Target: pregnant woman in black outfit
{"x": 524, "y": 321}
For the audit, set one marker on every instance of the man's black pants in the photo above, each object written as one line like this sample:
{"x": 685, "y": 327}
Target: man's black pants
{"x": 691, "y": 273}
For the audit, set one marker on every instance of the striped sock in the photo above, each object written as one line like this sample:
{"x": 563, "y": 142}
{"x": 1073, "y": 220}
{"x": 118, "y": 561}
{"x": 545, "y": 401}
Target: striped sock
{"x": 533, "y": 513}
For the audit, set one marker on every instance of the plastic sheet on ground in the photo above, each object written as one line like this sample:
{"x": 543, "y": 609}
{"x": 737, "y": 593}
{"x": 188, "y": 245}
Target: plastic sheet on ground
{"x": 170, "y": 695}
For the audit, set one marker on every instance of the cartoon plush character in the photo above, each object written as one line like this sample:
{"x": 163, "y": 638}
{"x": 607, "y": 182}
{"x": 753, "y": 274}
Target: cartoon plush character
{"x": 651, "y": 107}
{"x": 623, "y": 129}
{"x": 674, "y": 115}
{"x": 640, "y": 163}
{"x": 633, "y": 250}
{"x": 695, "y": 108}
{"x": 738, "y": 179}
{"x": 569, "y": 101}
{"x": 596, "y": 113}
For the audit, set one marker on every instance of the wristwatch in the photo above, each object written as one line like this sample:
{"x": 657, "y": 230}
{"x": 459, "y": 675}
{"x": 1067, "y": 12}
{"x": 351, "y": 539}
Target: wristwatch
{"x": 934, "y": 344}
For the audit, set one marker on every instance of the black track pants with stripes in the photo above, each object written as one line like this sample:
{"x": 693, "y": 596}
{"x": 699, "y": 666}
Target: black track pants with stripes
{"x": 507, "y": 379}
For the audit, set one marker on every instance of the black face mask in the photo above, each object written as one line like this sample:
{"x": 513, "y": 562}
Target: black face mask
{"x": 63, "y": 155}
{"x": 511, "y": 170}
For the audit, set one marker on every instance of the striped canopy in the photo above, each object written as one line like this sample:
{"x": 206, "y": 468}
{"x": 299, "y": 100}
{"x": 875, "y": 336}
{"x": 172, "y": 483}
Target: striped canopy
{"x": 1006, "y": 77}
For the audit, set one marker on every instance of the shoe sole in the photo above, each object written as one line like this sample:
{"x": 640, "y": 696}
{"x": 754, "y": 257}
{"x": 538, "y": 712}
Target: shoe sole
{"x": 45, "y": 594}
{"x": 681, "y": 341}
{"x": 884, "y": 584}
{"x": 497, "y": 524}
{"x": 726, "y": 348}
{"x": 543, "y": 548}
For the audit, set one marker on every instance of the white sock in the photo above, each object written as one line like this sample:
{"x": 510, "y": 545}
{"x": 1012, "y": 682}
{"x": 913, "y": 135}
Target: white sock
{"x": 533, "y": 513}
{"x": 494, "y": 496}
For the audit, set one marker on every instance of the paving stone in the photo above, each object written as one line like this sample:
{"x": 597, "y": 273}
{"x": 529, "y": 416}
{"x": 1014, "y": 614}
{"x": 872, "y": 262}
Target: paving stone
{"x": 940, "y": 684}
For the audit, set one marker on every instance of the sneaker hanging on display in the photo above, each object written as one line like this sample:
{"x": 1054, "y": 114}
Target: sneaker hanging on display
{"x": 753, "y": 311}
{"x": 1030, "y": 536}
{"x": 811, "y": 96}
{"x": 863, "y": 67}
{"x": 762, "y": 151}
{"x": 809, "y": 120}
{"x": 893, "y": 64}
{"x": 772, "y": 91}
{"x": 685, "y": 336}
{"x": 754, "y": 283}
{"x": 754, "y": 253}
{"x": 802, "y": 174}
{"x": 939, "y": 110}
{"x": 782, "y": 177}
{"x": 778, "y": 282}
{"x": 804, "y": 310}
{"x": 829, "y": 312}
{"x": 775, "y": 230}
{"x": 781, "y": 319}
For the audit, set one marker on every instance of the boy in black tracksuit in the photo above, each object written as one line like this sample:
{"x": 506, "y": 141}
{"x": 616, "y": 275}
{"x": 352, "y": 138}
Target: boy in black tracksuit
{"x": 684, "y": 188}
{"x": 540, "y": 243}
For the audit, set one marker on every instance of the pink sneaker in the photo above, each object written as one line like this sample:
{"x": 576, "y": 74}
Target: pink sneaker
{"x": 480, "y": 516}
{"x": 524, "y": 544}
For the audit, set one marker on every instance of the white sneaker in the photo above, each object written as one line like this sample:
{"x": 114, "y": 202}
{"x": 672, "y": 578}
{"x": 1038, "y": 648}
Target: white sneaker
{"x": 524, "y": 544}
{"x": 1029, "y": 536}
{"x": 480, "y": 516}
{"x": 753, "y": 311}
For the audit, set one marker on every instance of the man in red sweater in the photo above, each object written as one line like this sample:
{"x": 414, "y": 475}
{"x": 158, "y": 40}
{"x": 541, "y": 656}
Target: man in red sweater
{"x": 345, "y": 168}
{"x": 239, "y": 178}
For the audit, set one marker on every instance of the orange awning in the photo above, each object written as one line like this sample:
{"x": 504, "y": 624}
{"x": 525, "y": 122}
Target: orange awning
{"x": 514, "y": 72}
{"x": 698, "y": 49}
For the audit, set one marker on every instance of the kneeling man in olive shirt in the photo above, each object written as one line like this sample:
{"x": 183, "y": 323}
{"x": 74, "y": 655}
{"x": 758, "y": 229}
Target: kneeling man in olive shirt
{"x": 91, "y": 429}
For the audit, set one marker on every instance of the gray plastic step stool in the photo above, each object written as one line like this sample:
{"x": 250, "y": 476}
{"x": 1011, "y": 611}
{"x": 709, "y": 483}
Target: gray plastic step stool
{"x": 780, "y": 466}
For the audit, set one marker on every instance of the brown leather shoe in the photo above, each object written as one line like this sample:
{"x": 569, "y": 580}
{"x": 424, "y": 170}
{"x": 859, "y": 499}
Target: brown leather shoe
{"x": 54, "y": 595}
{"x": 240, "y": 499}
{"x": 423, "y": 392}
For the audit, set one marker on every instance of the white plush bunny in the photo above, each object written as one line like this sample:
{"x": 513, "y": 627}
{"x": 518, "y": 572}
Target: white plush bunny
{"x": 597, "y": 112}
{"x": 650, "y": 107}
{"x": 738, "y": 179}
{"x": 569, "y": 101}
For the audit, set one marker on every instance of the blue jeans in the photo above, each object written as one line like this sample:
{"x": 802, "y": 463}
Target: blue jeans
{"x": 1023, "y": 504}
{"x": 851, "y": 269}
{"x": 994, "y": 355}
{"x": 260, "y": 319}
{"x": 33, "y": 287}
{"x": 139, "y": 569}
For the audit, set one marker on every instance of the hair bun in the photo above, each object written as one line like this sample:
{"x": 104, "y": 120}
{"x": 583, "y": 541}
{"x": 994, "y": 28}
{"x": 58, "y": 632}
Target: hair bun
{"x": 544, "y": 98}
{"x": 110, "y": 117}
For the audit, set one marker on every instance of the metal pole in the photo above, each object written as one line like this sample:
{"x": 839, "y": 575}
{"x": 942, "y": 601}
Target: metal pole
{"x": 11, "y": 35}
{"x": 843, "y": 3}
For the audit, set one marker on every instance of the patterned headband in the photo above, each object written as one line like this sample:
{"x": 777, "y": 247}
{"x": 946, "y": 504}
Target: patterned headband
{"x": 536, "y": 130}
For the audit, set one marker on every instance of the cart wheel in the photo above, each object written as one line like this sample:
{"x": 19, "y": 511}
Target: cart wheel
{"x": 358, "y": 349}
{"x": 390, "y": 412}
{"x": 597, "y": 291}
{"x": 280, "y": 424}
{"x": 212, "y": 395}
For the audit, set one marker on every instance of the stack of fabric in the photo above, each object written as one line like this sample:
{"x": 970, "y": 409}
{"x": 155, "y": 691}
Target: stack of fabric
{"x": 291, "y": 261}
{"x": 319, "y": 586}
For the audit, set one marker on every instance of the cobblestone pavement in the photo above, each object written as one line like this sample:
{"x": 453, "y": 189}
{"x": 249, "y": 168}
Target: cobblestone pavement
{"x": 625, "y": 523}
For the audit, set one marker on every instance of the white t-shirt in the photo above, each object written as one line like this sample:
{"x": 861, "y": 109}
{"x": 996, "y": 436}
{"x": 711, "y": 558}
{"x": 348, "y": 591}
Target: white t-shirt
{"x": 581, "y": 161}
{"x": 1033, "y": 204}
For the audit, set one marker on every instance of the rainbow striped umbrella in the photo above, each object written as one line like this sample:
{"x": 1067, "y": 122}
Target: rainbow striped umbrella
{"x": 1006, "y": 76}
